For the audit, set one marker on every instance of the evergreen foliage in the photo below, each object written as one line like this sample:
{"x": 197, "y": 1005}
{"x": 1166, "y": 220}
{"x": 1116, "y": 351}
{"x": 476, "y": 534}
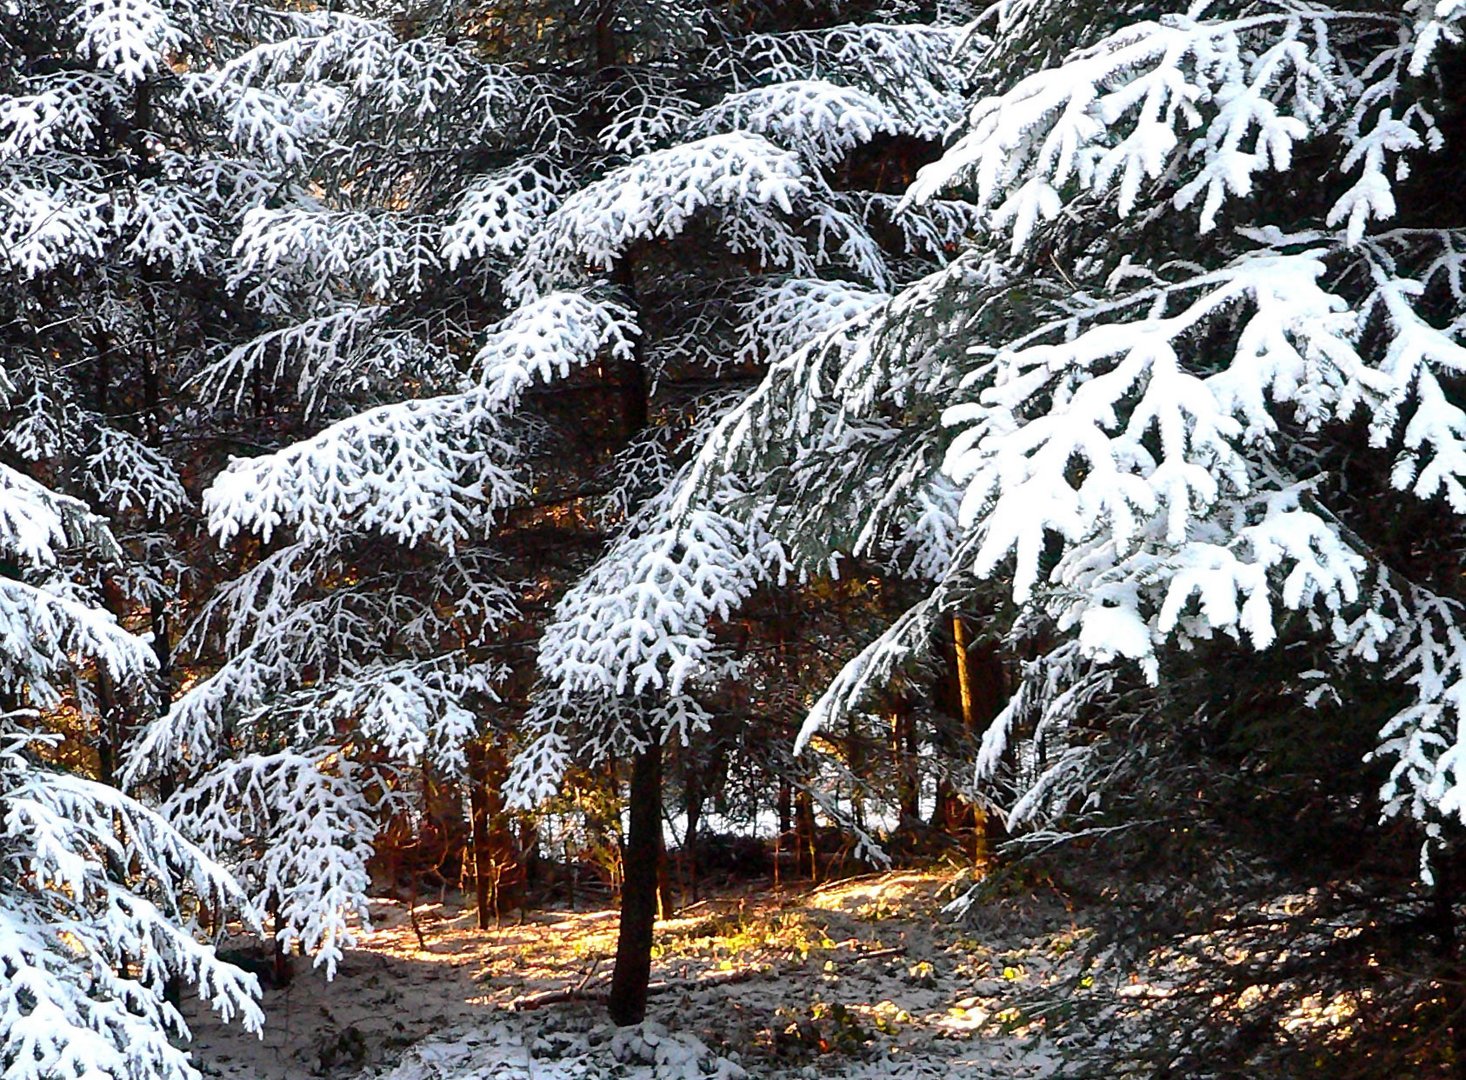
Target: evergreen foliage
{"x": 1205, "y": 344}
{"x": 94, "y": 887}
{"x": 566, "y": 249}
{"x": 595, "y": 371}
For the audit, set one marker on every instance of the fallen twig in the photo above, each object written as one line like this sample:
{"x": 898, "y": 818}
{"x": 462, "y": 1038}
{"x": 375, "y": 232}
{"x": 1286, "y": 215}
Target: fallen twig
{"x": 527, "y": 1002}
{"x": 880, "y": 954}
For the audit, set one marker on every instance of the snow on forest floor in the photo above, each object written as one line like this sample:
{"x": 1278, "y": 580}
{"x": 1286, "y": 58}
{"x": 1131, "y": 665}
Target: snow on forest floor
{"x": 857, "y": 978}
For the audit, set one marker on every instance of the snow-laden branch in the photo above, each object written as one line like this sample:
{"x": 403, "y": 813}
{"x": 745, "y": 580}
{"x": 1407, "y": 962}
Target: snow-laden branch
{"x": 88, "y": 956}
{"x": 548, "y": 338}
{"x": 433, "y": 469}
{"x": 297, "y": 829}
{"x": 656, "y": 195}
{"x": 641, "y": 619}
{"x": 820, "y": 120}
{"x": 499, "y": 212}
{"x": 1228, "y": 97}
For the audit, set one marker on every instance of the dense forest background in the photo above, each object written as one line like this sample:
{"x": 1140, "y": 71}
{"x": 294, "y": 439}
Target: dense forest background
{"x": 592, "y": 448}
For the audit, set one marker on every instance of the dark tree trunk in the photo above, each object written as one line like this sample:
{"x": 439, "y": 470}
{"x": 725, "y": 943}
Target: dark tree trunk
{"x": 529, "y": 854}
{"x": 1448, "y": 951}
{"x": 498, "y": 875}
{"x": 478, "y": 805}
{"x": 629, "y": 980}
{"x": 695, "y": 796}
{"x": 107, "y": 736}
{"x": 279, "y": 962}
{"x": 908, "y": 775}
{"x": 666, "y": 900}
{"x": 806, "y": 861}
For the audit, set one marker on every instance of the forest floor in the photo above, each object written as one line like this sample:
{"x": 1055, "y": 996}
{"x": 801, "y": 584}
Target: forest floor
{"x": 861, "y": 977}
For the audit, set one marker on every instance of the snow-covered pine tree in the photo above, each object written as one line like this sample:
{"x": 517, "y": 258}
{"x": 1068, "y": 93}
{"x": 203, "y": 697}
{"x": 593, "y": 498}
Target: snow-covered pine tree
{"x": 1179, "y": 394}
{"x": 131, "y": 158}
{"x": 96, "y": 890}
{"x": 768, "y": 163}
{"x": 497, "y": 235}
{"x": 354, "y": 646}
{"x": 120, "y": 193}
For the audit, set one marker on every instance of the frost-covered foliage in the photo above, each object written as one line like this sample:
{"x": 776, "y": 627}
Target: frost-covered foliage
{"x": 296, "y": 830}
{"x": 93, "y": 886}
{"x": 117, "y": 211}
{"x": 87, "y": 947}
{"x": 755, "y": 167}
{"x": 633, "y": 639}
{"x": 1192, "y": 387}
{"x": 1141, "y": 444}
{"x": 434, "y": 235}
{"x": 656, "y": 196}
{"x": 340, "y": 655}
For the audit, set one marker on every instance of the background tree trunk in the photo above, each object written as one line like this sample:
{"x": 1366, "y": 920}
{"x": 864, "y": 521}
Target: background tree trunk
{"x": 904, "y": 745}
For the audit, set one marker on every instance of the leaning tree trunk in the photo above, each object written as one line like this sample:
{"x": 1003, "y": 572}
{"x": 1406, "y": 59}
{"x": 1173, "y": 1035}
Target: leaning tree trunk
{"x": 633, "y": 970}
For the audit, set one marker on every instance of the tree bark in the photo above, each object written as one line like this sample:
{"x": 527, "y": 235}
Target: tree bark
{"x": 694, "y": 791}
{"x": 908, "y": 775}
{"x": 627, "y": 1000}
{"x": 498, "y": 876}
{"x": 478, "y": 805}
{"x": 1448, "y": 949}
{"x": 806, "y": 861}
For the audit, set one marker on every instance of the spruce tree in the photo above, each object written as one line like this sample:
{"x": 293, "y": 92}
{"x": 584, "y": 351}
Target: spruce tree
{"x": 486, "y": 228}
{"x": 1191, "y": 390}
{"x": 120, "y": 194}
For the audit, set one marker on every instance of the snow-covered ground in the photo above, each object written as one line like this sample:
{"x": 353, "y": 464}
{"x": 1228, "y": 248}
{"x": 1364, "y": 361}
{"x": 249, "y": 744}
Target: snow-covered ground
{"x": 860, "y": 978}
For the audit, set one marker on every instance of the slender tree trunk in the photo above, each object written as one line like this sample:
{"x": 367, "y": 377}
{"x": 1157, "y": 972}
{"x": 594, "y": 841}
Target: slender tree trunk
{"x": 279, "y": 962}
{"x": 804, "y": 840}
{"x": 529, "y": 854}
{"x": 1448, "y": 949}
{"x": 108, "y": 735}
{"x": 908, "y": 775}
{"x": 158, "y": 606}
{"x": 666, "y": 901}
{"x": 627, "y": 1003}
{"x": 498, "y": 876}
{"x": 694, "y": 792}
{"x": 478, "y": 806}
